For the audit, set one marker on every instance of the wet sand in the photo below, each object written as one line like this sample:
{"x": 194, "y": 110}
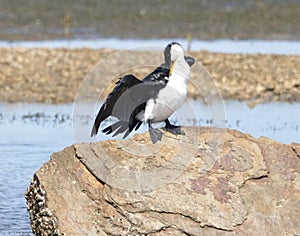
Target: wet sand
{"x": 55, "y": 75}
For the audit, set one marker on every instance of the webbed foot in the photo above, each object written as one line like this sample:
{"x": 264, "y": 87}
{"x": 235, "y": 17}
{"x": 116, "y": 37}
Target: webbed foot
{"x": 174, "y": 129}
{"x": 155, "y": 134}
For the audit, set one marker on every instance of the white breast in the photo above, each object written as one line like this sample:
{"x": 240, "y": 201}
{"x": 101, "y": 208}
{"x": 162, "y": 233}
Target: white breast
{"x": 168, "y": 101}
{"x": 171, "y": 97}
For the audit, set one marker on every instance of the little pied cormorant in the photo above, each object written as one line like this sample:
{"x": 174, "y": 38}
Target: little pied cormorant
{"x": 151, "y": 100}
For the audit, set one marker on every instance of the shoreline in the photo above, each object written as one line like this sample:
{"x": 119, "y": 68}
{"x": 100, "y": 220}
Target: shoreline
{"x": 263, "y": 19}
{"x": 46, "y": 75}
{"x": 249, "y": 46}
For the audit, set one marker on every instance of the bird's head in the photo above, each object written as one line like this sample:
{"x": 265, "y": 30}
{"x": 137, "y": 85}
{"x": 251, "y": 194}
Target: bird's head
{"x": 172, "y": 52}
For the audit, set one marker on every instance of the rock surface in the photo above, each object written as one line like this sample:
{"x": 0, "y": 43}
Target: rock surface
{"x": 208, "y": 182}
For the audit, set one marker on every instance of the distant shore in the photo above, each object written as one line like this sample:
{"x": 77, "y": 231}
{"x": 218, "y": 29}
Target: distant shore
{"x": 55, "y": 75}
{"x": 235, "y": 19}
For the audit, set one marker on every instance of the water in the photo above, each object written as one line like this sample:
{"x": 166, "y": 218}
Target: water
{"x": 283, "y": 47}
{"x": 26, "y": 143}
{"x": 30, "y": 133}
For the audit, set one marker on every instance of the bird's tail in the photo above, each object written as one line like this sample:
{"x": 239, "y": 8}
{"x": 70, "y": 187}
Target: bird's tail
{"x": 116, "y": 128}
{"x": 120, "y": 127}
{"x": 94, "y": 131}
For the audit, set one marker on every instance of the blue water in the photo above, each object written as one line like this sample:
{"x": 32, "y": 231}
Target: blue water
{"x": 30, "y": 133}
{"x": 283, "y": 47}
{"x": 25, "y": 145}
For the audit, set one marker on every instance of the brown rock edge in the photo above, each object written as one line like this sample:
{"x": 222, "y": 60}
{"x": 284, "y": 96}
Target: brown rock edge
{"x": 251, "y": 188}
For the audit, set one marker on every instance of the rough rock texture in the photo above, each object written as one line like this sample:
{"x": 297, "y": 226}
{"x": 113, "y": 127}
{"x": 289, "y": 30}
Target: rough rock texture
{"x": 209, "y": 182}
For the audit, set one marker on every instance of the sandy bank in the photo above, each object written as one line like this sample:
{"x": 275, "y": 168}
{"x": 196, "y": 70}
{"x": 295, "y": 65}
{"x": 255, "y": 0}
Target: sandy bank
{"x": 54, "y": 75}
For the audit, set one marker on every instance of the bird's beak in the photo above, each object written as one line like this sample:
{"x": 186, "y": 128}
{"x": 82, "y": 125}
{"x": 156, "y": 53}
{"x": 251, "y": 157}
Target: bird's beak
{"x": 171, "y": 68}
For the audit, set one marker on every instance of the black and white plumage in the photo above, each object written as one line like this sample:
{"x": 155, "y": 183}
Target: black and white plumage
{"x": 151, "y": 100}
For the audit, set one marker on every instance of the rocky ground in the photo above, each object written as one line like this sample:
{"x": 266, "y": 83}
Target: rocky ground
{"x": 55, "y": 75}
{"x": 208, "y": 182}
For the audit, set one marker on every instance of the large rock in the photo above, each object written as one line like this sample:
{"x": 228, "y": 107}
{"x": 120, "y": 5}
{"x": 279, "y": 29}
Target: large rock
{"x": 209, "y": 182}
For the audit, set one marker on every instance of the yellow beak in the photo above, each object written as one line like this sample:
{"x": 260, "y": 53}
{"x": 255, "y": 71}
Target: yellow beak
{"x": 172, "y": 68}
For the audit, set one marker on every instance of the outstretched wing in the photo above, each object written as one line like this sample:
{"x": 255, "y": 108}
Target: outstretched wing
{"x": 150, "y": 88}
{"x": 160, "y": 74}
{"x": 130, "y": 104}
{"x": 189, "y": 60}
{"x": 126, "y": 101}
{"x": 123, "y": 84}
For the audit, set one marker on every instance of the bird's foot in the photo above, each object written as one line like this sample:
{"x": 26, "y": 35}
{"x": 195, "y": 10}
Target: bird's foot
{"x": 174, "y": 129}
{"x": 155, "y": 134}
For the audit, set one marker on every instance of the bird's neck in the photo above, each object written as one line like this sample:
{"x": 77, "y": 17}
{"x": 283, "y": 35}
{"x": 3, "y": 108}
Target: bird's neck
{"x": 180, "y": 75}
{"x": 181, "y": 68}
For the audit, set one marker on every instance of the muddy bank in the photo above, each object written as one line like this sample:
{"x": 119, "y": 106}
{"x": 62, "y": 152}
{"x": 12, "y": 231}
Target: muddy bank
{"x": 54, "y": 75}
{"x": 259, "y": 19}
